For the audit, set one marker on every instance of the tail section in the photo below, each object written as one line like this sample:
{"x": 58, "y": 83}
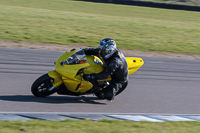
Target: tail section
{"x": 134, "y": 64}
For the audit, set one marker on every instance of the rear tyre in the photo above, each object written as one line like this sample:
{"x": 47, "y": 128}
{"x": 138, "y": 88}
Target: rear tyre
{"x": 40, "y": 88}
{"x": 122, "y": 89}
{"x": 99, "y": 95}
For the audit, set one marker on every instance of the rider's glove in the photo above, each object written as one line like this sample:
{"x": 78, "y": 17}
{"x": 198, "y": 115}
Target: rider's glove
{"x": 88, "y": 77}
{"x": 73, "y": 49}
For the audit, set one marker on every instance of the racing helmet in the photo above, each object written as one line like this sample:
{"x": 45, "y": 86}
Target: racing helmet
{"x": 107, "y": 48}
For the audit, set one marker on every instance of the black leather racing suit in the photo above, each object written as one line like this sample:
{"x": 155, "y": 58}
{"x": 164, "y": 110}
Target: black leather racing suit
{"x": 116, "y": 67}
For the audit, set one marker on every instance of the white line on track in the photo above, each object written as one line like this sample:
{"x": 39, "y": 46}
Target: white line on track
{"x": 97, "y": 113}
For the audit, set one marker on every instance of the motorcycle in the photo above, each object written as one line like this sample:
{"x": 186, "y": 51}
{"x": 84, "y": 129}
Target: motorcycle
{"x": 67, "y": 78}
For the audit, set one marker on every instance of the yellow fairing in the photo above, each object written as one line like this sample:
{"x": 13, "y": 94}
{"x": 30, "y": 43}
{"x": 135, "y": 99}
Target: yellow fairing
{"x": 77, "y": 85}
{"x": 134, "y": 64}
{"x": 72, "y": 81}
{"x": 93, "y": 67}
{"x": 57, "y": 78}
{"x": 69, "y": 71}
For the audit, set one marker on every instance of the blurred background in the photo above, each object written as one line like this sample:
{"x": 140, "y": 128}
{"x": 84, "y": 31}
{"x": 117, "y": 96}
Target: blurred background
{"x": 81, "y": 23}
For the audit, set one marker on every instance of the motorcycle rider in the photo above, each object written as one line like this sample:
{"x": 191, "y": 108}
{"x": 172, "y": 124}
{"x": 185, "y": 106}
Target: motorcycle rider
{"x": 115, "y": 66}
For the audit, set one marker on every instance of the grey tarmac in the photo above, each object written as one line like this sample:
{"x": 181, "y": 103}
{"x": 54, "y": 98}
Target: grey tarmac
{"x": 161, "y": 86}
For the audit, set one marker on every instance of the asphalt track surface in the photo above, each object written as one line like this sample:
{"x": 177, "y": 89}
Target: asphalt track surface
{"x": 162, "y": 85}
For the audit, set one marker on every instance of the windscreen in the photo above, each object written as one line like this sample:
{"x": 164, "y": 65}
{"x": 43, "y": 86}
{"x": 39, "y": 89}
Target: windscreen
{"x": 77, "y": 57}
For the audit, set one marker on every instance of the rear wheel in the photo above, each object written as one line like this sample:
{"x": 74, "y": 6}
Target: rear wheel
{"x": 122, "y": 88}
{"x": 40, "y": 88}
{"x": 99, "y": 95}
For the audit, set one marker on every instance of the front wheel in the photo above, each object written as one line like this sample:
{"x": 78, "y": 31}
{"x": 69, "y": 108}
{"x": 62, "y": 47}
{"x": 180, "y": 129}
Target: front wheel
{"x": 40, "y": 88}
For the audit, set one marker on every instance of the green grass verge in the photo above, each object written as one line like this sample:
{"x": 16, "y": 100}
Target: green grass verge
{"x": 103, "y": 126}
{"x": 73, "y": 22}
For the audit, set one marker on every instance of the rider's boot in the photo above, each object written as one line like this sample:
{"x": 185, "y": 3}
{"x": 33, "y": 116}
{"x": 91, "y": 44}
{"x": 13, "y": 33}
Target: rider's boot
{"x": 110, "y": 93}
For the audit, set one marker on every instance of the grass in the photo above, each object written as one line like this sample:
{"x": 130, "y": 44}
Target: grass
{"x": 71, "y": 22}
{"x": 102, "y": 126}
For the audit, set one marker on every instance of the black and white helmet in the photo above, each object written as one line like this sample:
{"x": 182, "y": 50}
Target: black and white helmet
{"x": 107, "y": 47}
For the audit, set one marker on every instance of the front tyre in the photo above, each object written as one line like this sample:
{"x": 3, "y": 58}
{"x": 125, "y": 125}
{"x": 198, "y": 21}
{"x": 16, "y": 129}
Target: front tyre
{"x": 40, "y": 88}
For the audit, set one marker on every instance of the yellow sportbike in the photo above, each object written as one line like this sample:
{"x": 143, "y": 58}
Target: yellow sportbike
{"x": 67, "y": 78}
